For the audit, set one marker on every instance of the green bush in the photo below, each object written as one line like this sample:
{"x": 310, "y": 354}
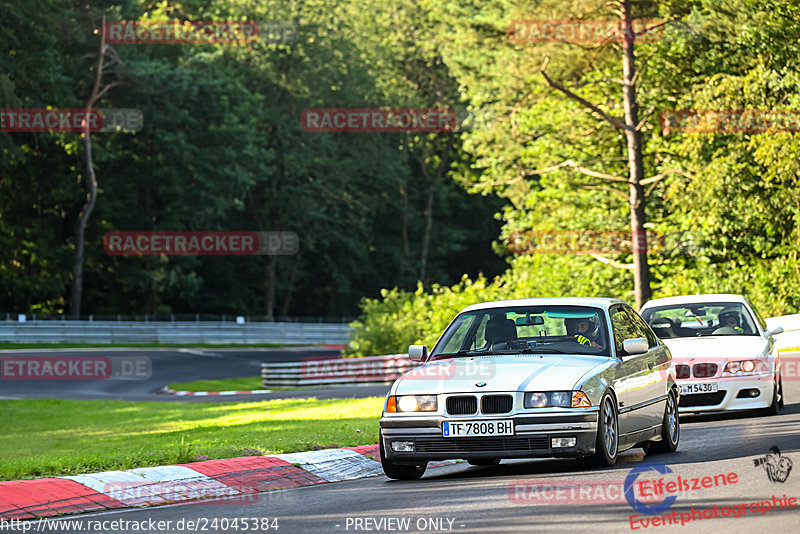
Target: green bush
{"x": 390, "y": 324}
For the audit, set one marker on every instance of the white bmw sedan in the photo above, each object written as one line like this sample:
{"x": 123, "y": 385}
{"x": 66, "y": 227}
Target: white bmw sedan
{"x": 725, "y": 358}
{"x": 552, "y": 377}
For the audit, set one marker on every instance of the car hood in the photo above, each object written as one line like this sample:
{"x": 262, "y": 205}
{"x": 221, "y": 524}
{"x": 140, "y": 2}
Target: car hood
{"x": 525, "y": 372}
{"x": 716, "y": 348}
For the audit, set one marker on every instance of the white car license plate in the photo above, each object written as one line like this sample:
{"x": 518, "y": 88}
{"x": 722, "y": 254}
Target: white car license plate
{"x": 459, "y": 429}
{"x": 692, "y": 389}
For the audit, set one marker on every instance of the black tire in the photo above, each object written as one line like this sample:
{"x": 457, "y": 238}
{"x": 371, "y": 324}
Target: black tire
{"x": 777, "y": 398}
{"x": 607, "y": 444}
{"x": 483, "y": 461}
{"x": 401, "y": 472}
{"x": 670, "y": 429}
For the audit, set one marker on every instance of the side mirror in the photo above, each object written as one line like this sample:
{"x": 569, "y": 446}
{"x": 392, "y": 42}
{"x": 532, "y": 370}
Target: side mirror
{"x": 417, "y": 353}
{"x": 638, "y": 345}
{"x": 775, "y": 331}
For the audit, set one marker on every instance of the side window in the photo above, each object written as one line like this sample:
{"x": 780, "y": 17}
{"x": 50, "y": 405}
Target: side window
{"x": 643, "y": 329}
{"x": 623, "y": 327}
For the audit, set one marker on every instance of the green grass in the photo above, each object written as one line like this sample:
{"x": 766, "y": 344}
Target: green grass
{"x": 247, "y": 383}
{"x": 14, "y": 346}
{"x": 51, "y": 437}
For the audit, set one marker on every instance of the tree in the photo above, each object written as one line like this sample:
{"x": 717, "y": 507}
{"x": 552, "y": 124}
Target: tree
{"x": 98, "y": 91}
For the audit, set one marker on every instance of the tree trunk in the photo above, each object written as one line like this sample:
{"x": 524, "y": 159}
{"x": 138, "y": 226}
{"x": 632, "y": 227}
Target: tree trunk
{"x": 426, "y": 235}
{"x": 76, "y": 292}
{"x": 404, "y": 219}
{"x": 432, "y": 180}
{"x": 287, "y": 299}
{"x": 269, "y": 288}
{"x": 641, "y": 269}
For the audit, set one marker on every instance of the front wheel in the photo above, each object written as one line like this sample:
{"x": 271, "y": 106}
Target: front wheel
{"x": 607, "y": 436}
{"x": 777, "y": 398}
{"x": 670, "y": 429}
{"x": 400, "y": 472}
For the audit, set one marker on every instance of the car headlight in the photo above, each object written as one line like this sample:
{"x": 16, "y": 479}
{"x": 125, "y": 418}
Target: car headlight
{"x": 744, "y": 367}
{"x": 564, "y": 399}
{"x": 412, "y": 403}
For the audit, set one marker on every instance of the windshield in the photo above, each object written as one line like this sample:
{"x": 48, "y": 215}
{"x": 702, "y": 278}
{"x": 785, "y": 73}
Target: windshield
{"x": 697, "y": 320}
{"x": 526, "y": 329}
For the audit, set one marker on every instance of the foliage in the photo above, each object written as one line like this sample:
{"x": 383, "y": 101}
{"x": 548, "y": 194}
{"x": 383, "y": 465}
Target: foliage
{"x": 222, "y": 148}
{"x": 730, "y": 220}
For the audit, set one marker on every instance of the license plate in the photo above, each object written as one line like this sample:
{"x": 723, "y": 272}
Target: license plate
{"x": 693, "y": 389}
{"x": 458, "y": 429}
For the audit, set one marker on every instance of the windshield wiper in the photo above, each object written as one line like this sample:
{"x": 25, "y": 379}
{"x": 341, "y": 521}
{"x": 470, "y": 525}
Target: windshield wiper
{"x": 534, "y": 350}
{"x": 463, "y": 353}
{"x": 458, "y": 354}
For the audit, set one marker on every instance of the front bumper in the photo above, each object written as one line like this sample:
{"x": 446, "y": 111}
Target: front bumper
{"x": 734, "y": 393}
{"x": 531, "y": 439}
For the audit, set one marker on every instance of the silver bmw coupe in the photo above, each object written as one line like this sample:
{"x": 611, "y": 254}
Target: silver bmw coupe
{"x": 530, "y": 378}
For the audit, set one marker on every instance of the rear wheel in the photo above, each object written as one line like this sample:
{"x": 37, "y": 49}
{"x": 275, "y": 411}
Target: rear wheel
{"x": 483, "y": 461}
{"x": 607, "y": 436}
{"x": 670, "y": 429}
{"x": 400, "y": 472}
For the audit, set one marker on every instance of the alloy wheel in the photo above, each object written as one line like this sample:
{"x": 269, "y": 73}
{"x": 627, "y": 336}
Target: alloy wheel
{"x": 610, "y": 427}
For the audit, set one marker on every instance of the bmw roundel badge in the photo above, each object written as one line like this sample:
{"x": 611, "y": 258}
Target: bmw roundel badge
{"x": 480, "y": 384}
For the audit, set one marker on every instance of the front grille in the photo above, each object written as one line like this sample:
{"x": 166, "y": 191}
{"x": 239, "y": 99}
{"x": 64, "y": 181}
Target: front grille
{"x": 456, "y": 445}
{"x": 682, "y": 371}
{"x": 703, "y": 370}
{"x": 496, "y": 404}
{"x": 703, "y": 399}
{"x": 464, "y": 405}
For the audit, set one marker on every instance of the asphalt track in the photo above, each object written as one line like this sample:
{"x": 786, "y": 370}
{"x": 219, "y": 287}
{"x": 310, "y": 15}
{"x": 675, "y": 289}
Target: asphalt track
{"x": 460, "y": 498}
{"x": 164, "y": 366}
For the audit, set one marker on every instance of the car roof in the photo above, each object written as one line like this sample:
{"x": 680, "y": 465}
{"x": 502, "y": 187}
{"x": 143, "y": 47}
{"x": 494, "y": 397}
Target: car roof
{"x": 695, "y": 299}
{"x": 594, "y": 302}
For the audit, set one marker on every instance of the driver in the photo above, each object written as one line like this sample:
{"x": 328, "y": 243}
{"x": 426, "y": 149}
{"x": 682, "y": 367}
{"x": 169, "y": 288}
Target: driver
{"x": 585, "y": 330}
{"x": 730, "y": 317}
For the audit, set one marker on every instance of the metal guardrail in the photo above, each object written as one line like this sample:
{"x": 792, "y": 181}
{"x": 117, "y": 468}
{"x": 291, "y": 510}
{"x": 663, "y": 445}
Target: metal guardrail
{"x": 374, "y": 370}
{"x": 171, "y": 317}
{"x": 173, "y": 332}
